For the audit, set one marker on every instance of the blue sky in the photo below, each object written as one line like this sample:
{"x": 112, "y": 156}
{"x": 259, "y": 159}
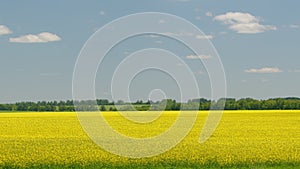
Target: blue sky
{"x": 257, "y": 41}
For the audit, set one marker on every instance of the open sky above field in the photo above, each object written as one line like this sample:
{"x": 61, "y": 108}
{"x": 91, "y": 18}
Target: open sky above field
{"x": 257, "y": 41}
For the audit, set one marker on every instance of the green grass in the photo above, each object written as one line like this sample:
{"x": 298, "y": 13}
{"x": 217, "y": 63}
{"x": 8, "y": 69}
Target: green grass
{"x": 165, "y": 164}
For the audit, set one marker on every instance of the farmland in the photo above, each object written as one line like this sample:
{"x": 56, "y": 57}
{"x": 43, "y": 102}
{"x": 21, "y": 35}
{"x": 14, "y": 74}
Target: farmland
{"x": 249, "y": 139}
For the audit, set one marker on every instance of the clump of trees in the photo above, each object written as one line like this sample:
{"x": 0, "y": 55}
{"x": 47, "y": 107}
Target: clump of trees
{"x": 39, "y": 106}
{"x": 166, "y": 104}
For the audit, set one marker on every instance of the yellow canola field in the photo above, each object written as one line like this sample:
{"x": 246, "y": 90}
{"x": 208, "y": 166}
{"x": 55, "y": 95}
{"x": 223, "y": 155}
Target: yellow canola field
{"x": 241, "y": 137}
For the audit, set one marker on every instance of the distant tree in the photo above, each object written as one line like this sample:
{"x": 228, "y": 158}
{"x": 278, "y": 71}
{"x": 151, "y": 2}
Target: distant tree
{"x": 120, "y": 102}
{"x": 56, "y": 108}
{"x": 112, "y": 108}
{"x": 102, "y": 108}
{"x": 102, "y": 102}
{"x": 139, "y": 102}
{"x": 230, "y": 104}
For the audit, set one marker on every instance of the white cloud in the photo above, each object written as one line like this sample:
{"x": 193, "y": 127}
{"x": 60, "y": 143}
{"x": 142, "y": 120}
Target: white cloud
{"x": 179, "y": 34}
{"x": 243, "y": 23}
{"x": 39, "y": 38}
{"x": 199, "y": 72}
{"x": 198, "y": 57}
{"x": 161, "y": 21}
{"x": 209, "y": 14}
{"x": 188, "y": 34}
{"x": 294, "y": 26}
{"x": 198, "y": 17}
{"x": 180, "y": 64}
{"x": 264, "y": 70}
{"x": 4, "y": 30}
{"x": 158, "y": 41}
{"x": 236, "y": 17}
{"x": 153, "y": 36}
{"x": 251, "y": 28}
{"x": 102, "y": 13}
{"x": 204, "y": 37}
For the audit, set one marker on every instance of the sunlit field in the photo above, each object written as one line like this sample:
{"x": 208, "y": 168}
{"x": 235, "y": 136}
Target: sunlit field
{"x": 244, "y": 139}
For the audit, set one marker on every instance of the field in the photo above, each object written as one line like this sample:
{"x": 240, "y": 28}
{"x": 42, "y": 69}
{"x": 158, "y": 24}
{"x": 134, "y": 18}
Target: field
{"x": 244, "y": 139}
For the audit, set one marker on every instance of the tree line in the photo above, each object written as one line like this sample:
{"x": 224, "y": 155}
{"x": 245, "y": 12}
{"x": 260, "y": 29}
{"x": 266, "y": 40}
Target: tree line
{"x": 166, "y": 104}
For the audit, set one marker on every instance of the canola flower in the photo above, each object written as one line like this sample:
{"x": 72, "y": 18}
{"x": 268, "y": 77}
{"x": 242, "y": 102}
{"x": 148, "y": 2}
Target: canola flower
{"x": 242, "y": 137}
